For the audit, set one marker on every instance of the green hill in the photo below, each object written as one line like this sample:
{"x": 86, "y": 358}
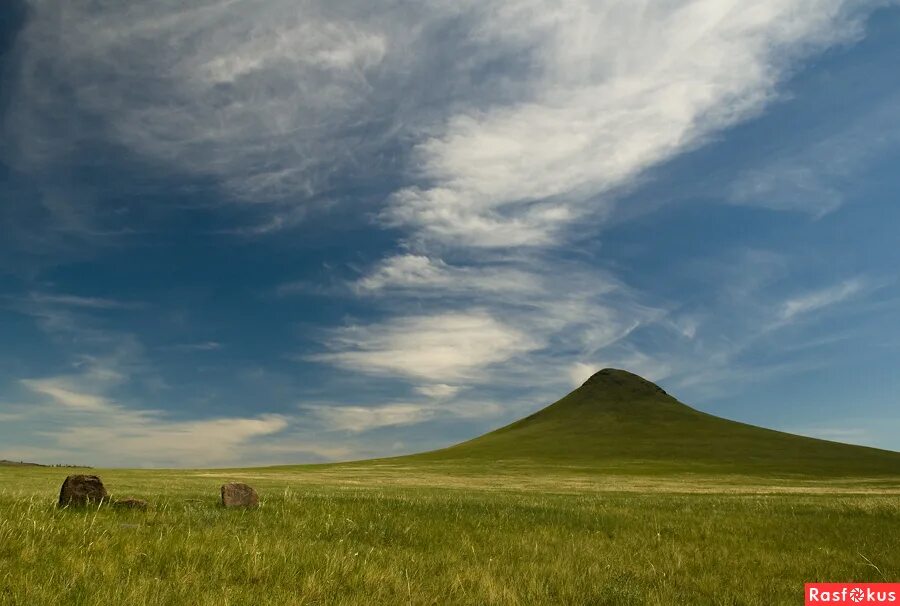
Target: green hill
{"x": 619, "y": 422}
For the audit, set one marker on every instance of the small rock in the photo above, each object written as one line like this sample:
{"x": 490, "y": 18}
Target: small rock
{"x": 130, "y": 503}
{"x": 80, "y": 490}
{"x": 236, "y": 494}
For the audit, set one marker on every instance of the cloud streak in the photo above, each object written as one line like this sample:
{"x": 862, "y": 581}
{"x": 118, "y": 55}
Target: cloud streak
{"x": 90, "y": 422}
{"x": 425, "y": 275}
{"x": 820, "y": 299}
{"x": 592, "y": 115}
{"x": 359, "y": 419}
{"x": 259, "y": 96}
{"x": 453, "y": 346}
{"x": 603, "y": 108}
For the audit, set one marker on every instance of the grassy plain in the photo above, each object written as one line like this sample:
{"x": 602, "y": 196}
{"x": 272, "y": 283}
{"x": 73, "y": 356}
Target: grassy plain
{"x": 395, "y": 533}
{"x": 617, "y": 494}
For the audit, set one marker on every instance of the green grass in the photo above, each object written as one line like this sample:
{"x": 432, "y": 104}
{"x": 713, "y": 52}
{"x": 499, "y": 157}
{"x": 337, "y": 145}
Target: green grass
{"x": 384, "y": 534}
{"x": 617, "y": 494}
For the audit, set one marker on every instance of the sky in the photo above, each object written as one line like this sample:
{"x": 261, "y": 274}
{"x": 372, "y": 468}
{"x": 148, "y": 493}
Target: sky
{"x": 248, "y": 232}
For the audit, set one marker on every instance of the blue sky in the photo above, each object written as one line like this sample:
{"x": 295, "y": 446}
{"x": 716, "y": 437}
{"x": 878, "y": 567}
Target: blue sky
{"x": 251, "y": 232}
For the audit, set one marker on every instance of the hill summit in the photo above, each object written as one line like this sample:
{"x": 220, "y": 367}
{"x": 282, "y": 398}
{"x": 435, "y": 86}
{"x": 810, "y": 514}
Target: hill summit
{"x": 619, "y": 421}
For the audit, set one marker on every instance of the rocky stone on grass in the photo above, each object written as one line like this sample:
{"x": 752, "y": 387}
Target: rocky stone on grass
{"x": 236, "y": 494}
{"x": 130, "y": 503}
{"x": 82, "y": 490}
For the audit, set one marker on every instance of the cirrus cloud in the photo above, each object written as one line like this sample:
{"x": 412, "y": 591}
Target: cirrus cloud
{"x": 437, "y": 348}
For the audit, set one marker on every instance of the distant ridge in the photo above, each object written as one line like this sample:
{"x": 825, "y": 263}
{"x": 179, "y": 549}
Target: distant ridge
{"x": 618, "y": 421}
{"x": 5, "y": 463}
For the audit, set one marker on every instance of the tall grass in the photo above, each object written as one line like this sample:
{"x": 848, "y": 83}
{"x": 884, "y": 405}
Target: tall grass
{"x": 346, "y": 536}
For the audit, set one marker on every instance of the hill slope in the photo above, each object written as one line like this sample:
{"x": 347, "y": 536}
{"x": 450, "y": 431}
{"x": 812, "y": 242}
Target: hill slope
{"x": 618, "y": 421}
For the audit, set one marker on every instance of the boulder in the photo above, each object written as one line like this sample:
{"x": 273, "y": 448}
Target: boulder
{"x": 130, "y": 503}
{"x": 81, "y": 490}
{"x": 236, "y": 494}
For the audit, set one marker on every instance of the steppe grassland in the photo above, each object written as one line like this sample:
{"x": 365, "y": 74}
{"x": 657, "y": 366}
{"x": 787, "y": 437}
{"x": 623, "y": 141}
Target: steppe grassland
{"x": 382, "y": 533}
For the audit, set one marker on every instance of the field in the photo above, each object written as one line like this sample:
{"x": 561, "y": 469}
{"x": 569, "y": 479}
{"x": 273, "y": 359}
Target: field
{"x": 616, "y": 494}
{"x": 396, "y": 533}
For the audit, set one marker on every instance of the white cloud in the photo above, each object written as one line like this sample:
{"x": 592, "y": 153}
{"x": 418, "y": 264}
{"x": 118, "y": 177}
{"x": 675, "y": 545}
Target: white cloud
{"x": 615, "y": 89}
{"x": 786, "y": 187}
{"x": 438, "y": 348}
{"x": 425, "y": 275}
{"x": 572, "y": 311}
{"x": 129, "y": 436}
{"x": 10, "y": 417}
{"x": 273, "y": 98}
{"x": 819, "y": 299}
{"x": 438, "y": 390}
{"x": 142, "y": 437}
{"x": 95, "y": 426}
{"x": 58, "y": 389}
{"x": 84, "y": 419}
{"x": 687, "y": 327}
{"x": 612, "y": 89}
{"x": 261, "y": 96}
{"x": 360, "y": 418}
{"x": 581, "y": 372}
